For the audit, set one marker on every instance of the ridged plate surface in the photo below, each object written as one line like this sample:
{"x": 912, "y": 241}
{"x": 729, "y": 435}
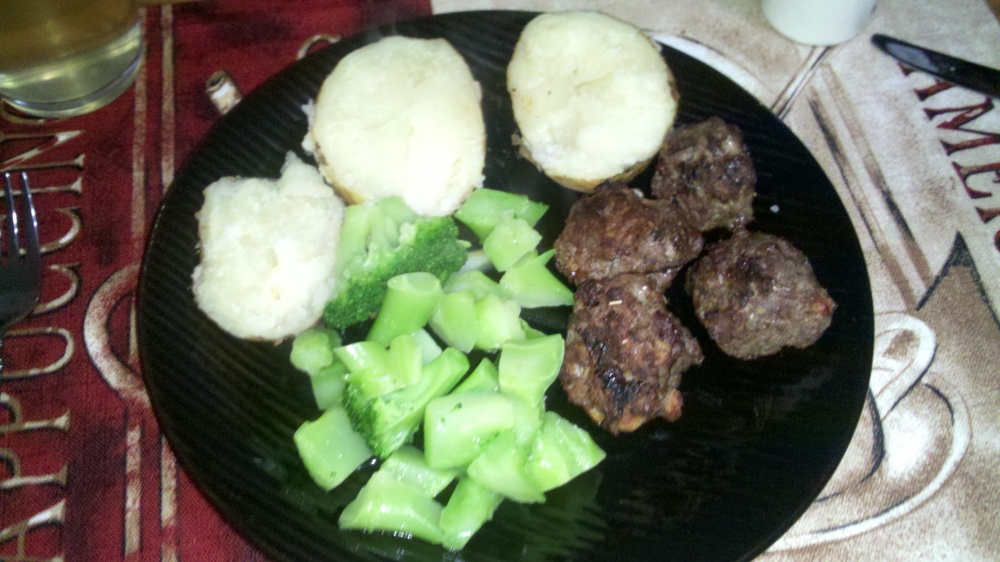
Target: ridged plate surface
{"x": 757, "y": 441}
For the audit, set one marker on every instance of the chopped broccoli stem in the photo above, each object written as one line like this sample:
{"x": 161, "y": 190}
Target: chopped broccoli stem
{"x": 330, "y": 448}
{"x": 500, "y": 467}
{"x": 388, "y": 216}
{"x": 469, "y": 507}
{"x": 527, "y": 420}
{"x": 328, "y": 385}
{"x": 407, "y": 358}
{"x": 354, "y": 233}
{"x": 458, "y": 426}
{"x": 475, "y": 281}
{"x": 383, "y": 239}
{"x": 409, "y": 466}
{"x": 483, "y": 378}
{"x": 313, "y": 353}
{"x": 561, "y": 451}
{"x": 374, "y": 224}
{"x": 370, "y": 368}
{"x": 483, "y": 208}
{"x": 499, "y": 322}
{"x": 365, "y": 356}
{"x": 386, "y": 504}
{"x": 312, "y": 350}
{"x": 511, "y": 240}
{"x": 527, "y": 368}
{"x": 531, "y": 333}
{"x": 410, "y": 299}
{"x": 429, "y": 348}
{"x": 455, "y": 321}
{"x": 531, "y": 284}
{"x": 375, "y": 370}
{"x": 478, "y": 261}
{"x": 389, "y": 421}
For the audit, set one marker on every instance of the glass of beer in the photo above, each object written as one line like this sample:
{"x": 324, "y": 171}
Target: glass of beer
{"x": 60, "y": 58}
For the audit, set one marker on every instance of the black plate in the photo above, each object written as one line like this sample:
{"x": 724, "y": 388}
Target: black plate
{"x": 757, "y": 440}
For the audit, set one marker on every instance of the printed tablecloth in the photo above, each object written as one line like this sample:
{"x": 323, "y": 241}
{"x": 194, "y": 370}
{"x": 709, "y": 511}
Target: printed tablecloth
{"x": 86, "y": 475}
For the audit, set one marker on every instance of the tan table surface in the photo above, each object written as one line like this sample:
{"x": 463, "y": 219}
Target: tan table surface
{"x": 916, "y": 162}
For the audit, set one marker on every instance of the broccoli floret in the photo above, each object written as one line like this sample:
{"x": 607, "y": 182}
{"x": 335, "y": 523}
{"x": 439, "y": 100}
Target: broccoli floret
{"x": 389, "y": 421}
{"x": 380, "y": 240}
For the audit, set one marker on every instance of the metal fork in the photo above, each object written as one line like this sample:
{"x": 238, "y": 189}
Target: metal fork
{"x": 20, "y": 253}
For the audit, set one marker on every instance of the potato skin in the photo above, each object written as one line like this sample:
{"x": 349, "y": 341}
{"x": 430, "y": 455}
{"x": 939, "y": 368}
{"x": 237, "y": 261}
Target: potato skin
{"x": 588, "y": 186}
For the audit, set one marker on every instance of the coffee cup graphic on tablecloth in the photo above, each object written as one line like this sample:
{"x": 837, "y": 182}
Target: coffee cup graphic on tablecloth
{"x": 909, "y": 440}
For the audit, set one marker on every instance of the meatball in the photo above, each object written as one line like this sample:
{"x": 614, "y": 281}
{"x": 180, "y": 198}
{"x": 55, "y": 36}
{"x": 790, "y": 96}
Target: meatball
{"x": 625, "y": 352}
{"x": 756, "y": 293}
{"x": 705, "y": 168}
{"x": 616, "y": 230}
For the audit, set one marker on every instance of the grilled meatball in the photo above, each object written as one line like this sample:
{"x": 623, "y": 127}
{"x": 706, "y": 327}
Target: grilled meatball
{"x": 625, "y": 352}
{"x": 756, "y": 293}
{"x": 705, "y": 168}
{"x": 616, "y": 230}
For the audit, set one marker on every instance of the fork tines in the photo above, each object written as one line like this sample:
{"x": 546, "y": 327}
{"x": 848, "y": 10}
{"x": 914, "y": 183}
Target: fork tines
{"x": 21, "y": 238}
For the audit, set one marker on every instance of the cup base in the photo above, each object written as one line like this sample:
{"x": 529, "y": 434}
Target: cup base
{"x": 79, "y": 84}
{"x": 80, "y": 106}
{"x": 818, "y": 22}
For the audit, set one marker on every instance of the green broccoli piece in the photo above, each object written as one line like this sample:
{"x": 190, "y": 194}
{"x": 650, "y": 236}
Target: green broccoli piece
{"x": 485, "y": 208}
{"x": 329, "y": 448}
{"x": 312, "y": 350}
{"x": 387, "y": 504}
{"x": 389, "y": 421}
{"x": 380, "y": 240}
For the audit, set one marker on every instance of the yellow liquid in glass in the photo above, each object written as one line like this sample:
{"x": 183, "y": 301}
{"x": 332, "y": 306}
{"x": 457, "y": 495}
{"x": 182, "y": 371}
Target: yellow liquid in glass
{"x": 65, "y": 57}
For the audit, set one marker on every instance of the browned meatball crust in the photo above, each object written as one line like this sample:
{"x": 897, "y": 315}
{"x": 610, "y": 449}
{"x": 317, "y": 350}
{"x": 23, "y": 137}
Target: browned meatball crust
{"x": 756, "y": 293}
{"x": 625, "y": 352}
{"x": 616, "y": 230}
{"x": 705, "y": 168}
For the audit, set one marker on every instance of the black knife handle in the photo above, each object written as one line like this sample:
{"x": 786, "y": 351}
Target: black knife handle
{"x": 955, "y": 70}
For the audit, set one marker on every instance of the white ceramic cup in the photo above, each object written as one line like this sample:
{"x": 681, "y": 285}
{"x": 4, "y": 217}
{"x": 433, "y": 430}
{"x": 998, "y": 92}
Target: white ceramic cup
{"x": 818, "y": 22}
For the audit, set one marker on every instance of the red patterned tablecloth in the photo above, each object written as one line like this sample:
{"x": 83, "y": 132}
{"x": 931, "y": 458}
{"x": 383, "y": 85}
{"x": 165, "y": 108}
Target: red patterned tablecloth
{"x": 84, "y": 471}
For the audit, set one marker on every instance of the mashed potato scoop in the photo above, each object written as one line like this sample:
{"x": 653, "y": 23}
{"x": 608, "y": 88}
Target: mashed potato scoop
{"x": 268, "y": 252}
